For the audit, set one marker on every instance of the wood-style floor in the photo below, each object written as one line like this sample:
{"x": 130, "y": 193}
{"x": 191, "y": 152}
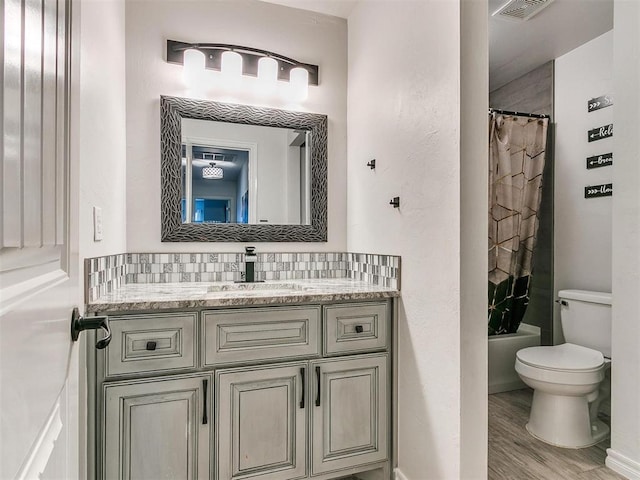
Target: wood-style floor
{"x": 516, "y": 455}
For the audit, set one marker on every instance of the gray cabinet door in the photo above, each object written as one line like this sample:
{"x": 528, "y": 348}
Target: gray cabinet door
{"x": 158, "y": 429}
{"x": 349, "y": 413}
{"x": 261, "y": 423}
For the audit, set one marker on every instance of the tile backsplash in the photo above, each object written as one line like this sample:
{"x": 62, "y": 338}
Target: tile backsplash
{"x": 378, "y": 269}
{"x": 104, "y": 274}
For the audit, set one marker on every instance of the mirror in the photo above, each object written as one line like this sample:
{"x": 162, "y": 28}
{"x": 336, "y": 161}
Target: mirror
{"x": 237, "y": 173}
{"x": 248, "y": 174}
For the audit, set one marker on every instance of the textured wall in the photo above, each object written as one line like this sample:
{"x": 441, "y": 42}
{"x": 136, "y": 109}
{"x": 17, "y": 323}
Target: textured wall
{"x": 474, "y": 183}
{"x": 306, "y": 36}
{"x": 533, "y": 93}
{"x": 582, "y": 255}
{"x": 405, "y": 111}
{"x": 101, "y": 126}
{"x": 624, "y": 454}
{"x": 99, "y": 138}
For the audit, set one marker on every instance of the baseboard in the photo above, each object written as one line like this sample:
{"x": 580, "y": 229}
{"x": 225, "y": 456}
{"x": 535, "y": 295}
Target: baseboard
{"x": 622, "y": 465}
{"x": 506, "y": 386}
{"x": 398, "y": 475}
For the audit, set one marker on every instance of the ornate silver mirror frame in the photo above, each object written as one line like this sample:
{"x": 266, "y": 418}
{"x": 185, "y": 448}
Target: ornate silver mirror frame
{"x": 174, "y": 109}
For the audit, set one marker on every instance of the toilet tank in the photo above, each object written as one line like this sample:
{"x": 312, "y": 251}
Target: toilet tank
{"x": 586, "y": 319}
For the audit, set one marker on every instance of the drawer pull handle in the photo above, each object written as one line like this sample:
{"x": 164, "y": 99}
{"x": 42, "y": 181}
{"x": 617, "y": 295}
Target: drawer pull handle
{"x": 205, "y": 387}
{"x": 152, "y": 345}
{"x": 359, "y": 329}
{"x": 318, "y": 389}
{"x": 302, "y": 375}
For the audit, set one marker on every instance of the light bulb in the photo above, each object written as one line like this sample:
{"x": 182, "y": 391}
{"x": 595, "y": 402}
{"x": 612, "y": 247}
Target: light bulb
{"x": 299, "y": 84}
{"x": 231, "y": 64}
{"x": 193, "y": 72}
{"x": 267, "y": 69}
{"x": 267, "y": 76}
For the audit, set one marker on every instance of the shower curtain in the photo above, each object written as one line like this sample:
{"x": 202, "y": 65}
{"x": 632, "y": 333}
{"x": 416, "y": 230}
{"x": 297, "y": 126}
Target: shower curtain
{"x": 516, "y": 161}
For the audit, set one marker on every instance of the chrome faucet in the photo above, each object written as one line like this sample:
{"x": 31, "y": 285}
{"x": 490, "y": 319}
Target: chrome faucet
{"x": 250, "y": 258}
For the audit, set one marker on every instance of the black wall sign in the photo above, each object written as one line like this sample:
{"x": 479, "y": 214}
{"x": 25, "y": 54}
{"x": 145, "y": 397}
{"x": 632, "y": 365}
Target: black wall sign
{"x": 598, "y": 161}
{"x": 595, "y": 191}
{"x": 599, "y": 102}
{"x": 600, "y": 133}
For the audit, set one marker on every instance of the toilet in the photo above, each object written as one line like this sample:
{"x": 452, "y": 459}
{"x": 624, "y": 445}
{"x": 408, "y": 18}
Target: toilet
{"x": 569, "y": 379}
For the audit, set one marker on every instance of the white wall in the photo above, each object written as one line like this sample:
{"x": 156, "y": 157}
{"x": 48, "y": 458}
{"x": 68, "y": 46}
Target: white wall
{"x": 293, "y": 179}
{"x": 624, "y": 454}
{"x": 405, "y": 111}
{"x": 582, "y": 250}
{"x": 98, "y": 156}
{"x": 305, "y": 36}
{"x": 102, "y": 110}
{"x": 474, "y": 193}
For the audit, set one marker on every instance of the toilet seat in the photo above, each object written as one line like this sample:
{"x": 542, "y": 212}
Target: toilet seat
{"x": 563, "y": 358}
{"x": 566, "y": 364}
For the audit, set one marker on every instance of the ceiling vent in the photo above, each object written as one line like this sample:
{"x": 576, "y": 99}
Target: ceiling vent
{"x": 520, "y": 10}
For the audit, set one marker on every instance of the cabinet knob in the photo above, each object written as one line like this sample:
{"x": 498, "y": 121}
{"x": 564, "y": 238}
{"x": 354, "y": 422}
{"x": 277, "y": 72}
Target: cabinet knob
{"x": 359, "y": 329}
{"x": 151, "y": 345}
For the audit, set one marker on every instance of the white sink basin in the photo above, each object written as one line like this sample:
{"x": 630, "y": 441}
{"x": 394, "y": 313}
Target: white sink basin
{"x": 243, "y": 287}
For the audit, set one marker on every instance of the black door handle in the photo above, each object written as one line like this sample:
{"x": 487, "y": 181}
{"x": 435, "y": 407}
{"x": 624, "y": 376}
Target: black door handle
{"x": 359, "y": 329}
{"x": 79, "y": 324}
{"x": 205, "y": 387}
{"x": 302, "y": 375}
{"x": 151, "y": 345}
{"x": 318, "y": 388}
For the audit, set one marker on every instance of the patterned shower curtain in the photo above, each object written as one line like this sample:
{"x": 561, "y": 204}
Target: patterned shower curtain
{"x": 516, "y": 161}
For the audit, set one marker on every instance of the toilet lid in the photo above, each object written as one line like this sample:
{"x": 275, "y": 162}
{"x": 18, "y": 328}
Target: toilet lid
{"x": 561, "y": 357}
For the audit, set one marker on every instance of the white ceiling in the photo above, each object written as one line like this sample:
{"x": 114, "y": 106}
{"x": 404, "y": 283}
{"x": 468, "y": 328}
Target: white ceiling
{"x": 337, "y": 8}
{"x": 515, "y": 48}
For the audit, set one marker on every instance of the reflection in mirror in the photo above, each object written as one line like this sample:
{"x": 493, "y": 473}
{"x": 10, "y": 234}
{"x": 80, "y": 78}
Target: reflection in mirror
{"x": 238, "y": 173}
{"x": 247, "y": 174}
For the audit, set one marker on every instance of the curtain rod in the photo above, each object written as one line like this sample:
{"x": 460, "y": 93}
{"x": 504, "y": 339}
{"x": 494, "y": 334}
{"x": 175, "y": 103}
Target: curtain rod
{"x": 518, "y": 114}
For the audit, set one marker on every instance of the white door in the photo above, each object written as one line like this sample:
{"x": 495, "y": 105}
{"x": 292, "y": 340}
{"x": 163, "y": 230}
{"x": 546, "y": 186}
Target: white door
{"x": 39, "y": 278}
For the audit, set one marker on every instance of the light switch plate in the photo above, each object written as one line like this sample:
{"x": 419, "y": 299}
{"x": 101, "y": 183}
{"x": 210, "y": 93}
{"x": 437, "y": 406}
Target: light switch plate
{"x": 97, "y": 224}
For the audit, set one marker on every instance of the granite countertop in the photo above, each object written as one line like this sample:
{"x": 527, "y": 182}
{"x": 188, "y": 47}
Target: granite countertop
{"x": 151, "y": 296}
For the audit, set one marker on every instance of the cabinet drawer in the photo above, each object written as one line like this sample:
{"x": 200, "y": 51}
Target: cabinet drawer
{"x": 231, "y": 336}
{"x": 151, "y": 343}
{"x": 355, "y": 328}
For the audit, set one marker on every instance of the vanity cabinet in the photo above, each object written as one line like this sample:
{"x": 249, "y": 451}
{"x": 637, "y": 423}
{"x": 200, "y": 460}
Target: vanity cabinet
{"x": 158, "y": 428}
{"x": 259, "y": 334}
{"x": 151, "y": 344}
{"x": 265, "y": 416}
{"x": 350, "y": 413}
{"x": 267, "y": 393}
{"x": 261, "y": 422}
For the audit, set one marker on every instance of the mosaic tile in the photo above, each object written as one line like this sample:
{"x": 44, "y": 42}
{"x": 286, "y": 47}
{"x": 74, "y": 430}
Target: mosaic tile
{"x": 103, "y": 274}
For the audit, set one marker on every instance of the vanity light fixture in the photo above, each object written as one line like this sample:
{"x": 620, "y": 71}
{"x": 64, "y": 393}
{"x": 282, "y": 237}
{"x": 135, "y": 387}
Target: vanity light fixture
{"x": 212, "y": 172}
{"x": 233, "y": 61}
